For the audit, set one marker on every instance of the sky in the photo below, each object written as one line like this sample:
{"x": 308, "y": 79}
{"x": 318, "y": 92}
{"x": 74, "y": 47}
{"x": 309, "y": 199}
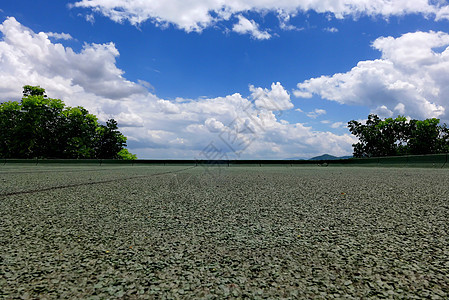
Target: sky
{"x": 215, "y": 79}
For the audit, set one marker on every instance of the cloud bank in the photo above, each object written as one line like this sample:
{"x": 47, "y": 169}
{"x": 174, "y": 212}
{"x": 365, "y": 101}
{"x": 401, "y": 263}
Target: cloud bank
{"x": 412, "y": 78}
{"x": 196, "y": 15}
{"x": 241, "y": 127}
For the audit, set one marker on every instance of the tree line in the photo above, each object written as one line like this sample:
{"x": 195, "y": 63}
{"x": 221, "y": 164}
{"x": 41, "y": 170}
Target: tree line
{"x": 399, "y": 136}
{"x": 42, "y": 127}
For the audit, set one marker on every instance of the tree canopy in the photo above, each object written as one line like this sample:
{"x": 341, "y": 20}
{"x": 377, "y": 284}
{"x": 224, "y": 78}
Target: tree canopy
{"x": 399, "y": 136}
{"x": 42, "y": 127}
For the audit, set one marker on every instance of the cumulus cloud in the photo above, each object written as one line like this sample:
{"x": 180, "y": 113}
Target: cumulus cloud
{"x": 213, "y": 125}
{"x": 245, "y": 26}
{"x": 338, "y": 125}
{"x": 241, "y": 127}
{"x": 275, "y": 100}
{"x": 411, "y": 77}
{"x": 400, "y": 108}
{"x": 316, "y": 113}
{"x": 383, "y": 112}
{"x": 60, "y": 36}
{"x": 168, "y": 107}
{"x": 195, "y": 15}
{"x": 33, "y": 57}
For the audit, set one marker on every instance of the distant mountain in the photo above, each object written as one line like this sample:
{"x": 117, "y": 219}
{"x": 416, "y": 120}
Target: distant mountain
{"x": 296, "y": 158}
{"x": 329, "y": 157}
{"x": 321, "y": 157}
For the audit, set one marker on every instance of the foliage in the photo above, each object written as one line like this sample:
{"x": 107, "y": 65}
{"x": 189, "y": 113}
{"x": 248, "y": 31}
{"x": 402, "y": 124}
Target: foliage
{"x": 398, "y": 136}
{"x": 42, "y": 127}
{"x": 125, "y": 155}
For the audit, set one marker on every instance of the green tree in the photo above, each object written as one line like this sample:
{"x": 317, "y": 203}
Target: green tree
{"x": 425, "y": 136}
{"x": 42, "y": 127}
{"x": 125, "y": 155}
{"x": 109, "y": 140}
{"x": 29, "y": 90}
{"x": 9, "y": 125}
{"x": 397, "y": 136}
{"x": 35, "y": 127}
{"x": 444, "y": 139}
{"x": 78, "y": 133}
{"x": 378, "y": 137}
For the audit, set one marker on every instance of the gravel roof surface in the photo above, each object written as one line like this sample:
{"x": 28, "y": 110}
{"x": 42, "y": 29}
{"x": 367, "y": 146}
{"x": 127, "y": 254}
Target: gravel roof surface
{"x": 193, "y": 232}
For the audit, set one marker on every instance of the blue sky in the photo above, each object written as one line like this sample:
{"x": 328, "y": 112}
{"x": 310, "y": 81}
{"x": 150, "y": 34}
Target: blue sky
{"x": 282, "y": 77}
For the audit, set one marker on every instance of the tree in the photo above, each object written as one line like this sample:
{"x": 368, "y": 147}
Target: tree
{"x": 29, "y": 90}
{"x": 398, "y": 136}
{"x": 109, "y": 140}
{"x": 125, "y": 155}
{"x": 40, "y": 124}
{"x": 444, "y": 139}
{"x": 424, "y": 136}
{"x": 42, "y": 127}
{"x": 79, "y": 133}
{"x": 9, "y": 124}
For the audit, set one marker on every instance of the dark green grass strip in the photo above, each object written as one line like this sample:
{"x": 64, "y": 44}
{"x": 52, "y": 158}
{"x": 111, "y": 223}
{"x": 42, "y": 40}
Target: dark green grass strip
{"x": 91, "y": 183}
{"x": 97, "y": 169}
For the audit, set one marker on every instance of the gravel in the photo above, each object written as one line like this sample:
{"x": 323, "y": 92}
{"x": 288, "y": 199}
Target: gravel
{"x": 227, "y": 232}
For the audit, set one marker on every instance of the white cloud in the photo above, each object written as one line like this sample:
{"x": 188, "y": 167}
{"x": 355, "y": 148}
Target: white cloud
{"x": 275, "y": 100}
{"x": 167, "y": 107}
{"x": 400, "y": 108}
{"x": 156, "y": 128}
{"x": 383, "y": 112}
{"x": 302, "y": 93}
{"x": 195, "y": 15}
{"x": 331, "y": 29}
{"x": 90, "y": 18}
{"x": 410, "y": 78}
{"x": 60, "y": 36}
{"x": 316, "y": 113}
{"x": 245, "y": 26}
{"x": 32, "y": 57}
{"x": 338, "y": 125}
{"x": 284, "y": 21}
{"x": 213, "y": 125}
{"x": 127, "y": 119}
